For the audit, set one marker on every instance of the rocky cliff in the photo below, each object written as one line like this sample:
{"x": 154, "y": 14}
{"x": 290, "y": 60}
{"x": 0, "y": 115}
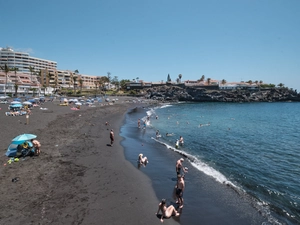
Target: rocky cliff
{"x": 175, "y": 93}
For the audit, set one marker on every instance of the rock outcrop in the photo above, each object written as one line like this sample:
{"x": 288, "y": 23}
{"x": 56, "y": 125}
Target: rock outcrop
{"x": 175, "y": 93}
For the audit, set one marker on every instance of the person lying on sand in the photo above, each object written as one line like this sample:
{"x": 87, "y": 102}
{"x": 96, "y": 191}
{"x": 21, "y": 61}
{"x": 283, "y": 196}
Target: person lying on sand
{"x": 167, "y": 212}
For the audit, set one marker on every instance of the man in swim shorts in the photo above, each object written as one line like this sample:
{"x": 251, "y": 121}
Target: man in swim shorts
{"x": 179, "y": 166}
{"x": 179, "y": 190}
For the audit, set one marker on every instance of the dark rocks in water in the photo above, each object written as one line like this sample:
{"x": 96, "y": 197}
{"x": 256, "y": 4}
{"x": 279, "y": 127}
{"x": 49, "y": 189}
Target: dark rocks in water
{"x": 176, "y": 93}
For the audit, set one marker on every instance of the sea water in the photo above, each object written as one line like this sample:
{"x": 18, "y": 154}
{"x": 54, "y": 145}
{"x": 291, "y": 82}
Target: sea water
{"x": 252, "y": 147}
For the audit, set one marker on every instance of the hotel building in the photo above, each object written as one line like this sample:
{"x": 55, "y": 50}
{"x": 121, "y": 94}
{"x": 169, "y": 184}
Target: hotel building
{"x": 32, "y": 74}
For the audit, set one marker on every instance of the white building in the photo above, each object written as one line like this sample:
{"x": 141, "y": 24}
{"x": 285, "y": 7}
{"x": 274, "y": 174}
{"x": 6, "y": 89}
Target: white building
{"x": 23, "y": 61}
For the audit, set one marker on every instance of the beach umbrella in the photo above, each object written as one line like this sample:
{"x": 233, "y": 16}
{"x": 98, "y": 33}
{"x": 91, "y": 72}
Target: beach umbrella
{"x": 4, "y": 97}
{"x": 17, "y": 99}
{"x": 15, "y": 102}
{"x": 31, "y": 100}
{"x": 23, "y": 137}
{"x": 27, "y": 103}
{"x": 78, "y": 103}
{"x": 16, "y": 105}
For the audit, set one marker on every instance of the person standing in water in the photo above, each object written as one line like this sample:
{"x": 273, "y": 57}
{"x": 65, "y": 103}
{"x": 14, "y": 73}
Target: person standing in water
{"x": 179, "y": 166}
{"x": 179, "y": 190}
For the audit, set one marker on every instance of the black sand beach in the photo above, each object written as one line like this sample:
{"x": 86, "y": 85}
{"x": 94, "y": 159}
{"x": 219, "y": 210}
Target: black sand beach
{"x": 80, "y": 179}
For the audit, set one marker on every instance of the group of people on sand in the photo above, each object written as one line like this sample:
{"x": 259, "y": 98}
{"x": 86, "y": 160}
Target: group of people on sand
{"x": 169, "y": 211}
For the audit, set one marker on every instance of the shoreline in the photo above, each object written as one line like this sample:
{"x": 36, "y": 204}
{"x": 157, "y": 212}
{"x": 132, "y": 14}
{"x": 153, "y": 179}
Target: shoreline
{"x": 206, "y": 199}
{"x": 78, "y": 178}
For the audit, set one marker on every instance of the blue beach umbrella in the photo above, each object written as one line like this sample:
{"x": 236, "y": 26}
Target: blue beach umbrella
{"x": 17, "y": 99}
{"x": 31, "y": 100}
{"x": 16, "y": 106}
{"x": 23, "y": 137}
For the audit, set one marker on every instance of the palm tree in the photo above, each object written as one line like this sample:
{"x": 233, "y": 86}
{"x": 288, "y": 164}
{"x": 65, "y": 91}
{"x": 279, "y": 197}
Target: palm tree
{"x": 31, "y": 69}
{"x": 39, "y": 74}
{"x": 45, "y": 87}
{"x": 180, "y": 76}
{"x": 55, "y": 81}
{"x": 74, "y": 84}
{"x": 137, "y": 79}
{"x": 202, "y": 78}
{"x": 96, "y": 83}
{"x": 80, "y": 84}
{"x": 208, "y": 81}
{"x": 168, "y": 78}
{"x": 16, "y": 86}
{"x": 223, "y": 81}
{"x": 6, "y": 69}
{"x": 108, "y": 78}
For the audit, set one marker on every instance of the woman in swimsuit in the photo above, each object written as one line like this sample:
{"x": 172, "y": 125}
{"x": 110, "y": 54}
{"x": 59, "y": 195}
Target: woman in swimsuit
{"x": 142, "y": 160}
{"x": 167, "y": 212}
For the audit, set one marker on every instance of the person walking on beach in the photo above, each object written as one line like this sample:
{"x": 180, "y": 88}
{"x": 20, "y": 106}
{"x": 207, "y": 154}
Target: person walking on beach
{"x": 167, "y": 212}
{"x": 112, "y": 137}
{"x": 179, "y": 190}
{"x": 179, "y": 166}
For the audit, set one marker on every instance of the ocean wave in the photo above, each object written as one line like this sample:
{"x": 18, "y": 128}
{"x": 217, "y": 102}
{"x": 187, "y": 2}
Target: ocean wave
{"x": 199, "y": 165}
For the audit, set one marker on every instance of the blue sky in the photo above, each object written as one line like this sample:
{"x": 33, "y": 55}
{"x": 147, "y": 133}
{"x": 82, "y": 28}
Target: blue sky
{"x": 235, "y": 40}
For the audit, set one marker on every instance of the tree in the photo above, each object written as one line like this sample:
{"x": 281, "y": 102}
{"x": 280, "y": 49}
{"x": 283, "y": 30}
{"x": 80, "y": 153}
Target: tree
{"x": 137, "y": 79}
{"x": 208, "y": 81}
{"x": 55, "y": 81}
{"x": 31, "y": 69}
{"x": 33, "y": 91}
{"x": 180, "y": 76}
{"x": 16, "y": 86}
{"x": 44, "y": 86}
{"x": 108, "y": 78}
{"x": 281, "y": 85}
{"x": 96, "y": 84}
{"x": 123, "y": 83}
{"x": 169, "y": 78}
{"x": 6, "y": 69}
{"x": 249, "y": 82}
{"x": 177, "y": 80}
{"x": 74, "y": 83}
{"x": 80, "y": 84}
{"x": 223, "y": 81}
{"x": 115, "y": 81}
{"x": 202, "y": 78}
{"x": 102, "y": 82}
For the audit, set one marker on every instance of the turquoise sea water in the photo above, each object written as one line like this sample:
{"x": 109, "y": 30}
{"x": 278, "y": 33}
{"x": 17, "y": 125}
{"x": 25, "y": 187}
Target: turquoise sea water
{"x": 252, "y": 146}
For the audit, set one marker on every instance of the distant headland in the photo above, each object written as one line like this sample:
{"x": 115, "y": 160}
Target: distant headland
{"x": 197, "y": 94}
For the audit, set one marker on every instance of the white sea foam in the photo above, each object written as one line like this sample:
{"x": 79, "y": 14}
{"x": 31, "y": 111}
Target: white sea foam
{"x": 199, "y": 165}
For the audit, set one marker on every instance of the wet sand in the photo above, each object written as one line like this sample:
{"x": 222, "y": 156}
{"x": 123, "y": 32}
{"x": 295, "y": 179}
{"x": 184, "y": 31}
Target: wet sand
{"x": 78, "y": 178}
